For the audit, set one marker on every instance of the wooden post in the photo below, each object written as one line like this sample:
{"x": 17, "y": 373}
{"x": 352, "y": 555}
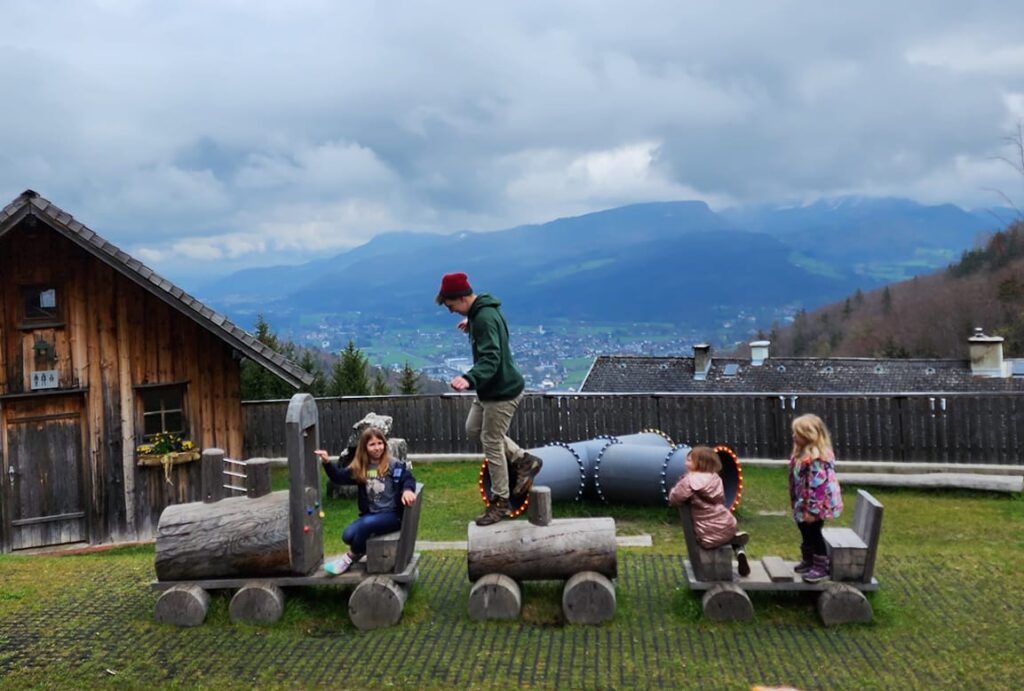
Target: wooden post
{"x": 305, "y": 527}
{"x": 257, "y": 477}
{"x": 539, "y": 507}
{"x": 213, "y": 475}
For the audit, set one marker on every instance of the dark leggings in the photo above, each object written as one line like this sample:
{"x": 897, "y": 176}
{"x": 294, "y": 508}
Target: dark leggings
{"x": 812, "y": 537}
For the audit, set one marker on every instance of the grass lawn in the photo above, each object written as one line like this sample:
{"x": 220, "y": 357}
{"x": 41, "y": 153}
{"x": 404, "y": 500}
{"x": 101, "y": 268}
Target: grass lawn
{"x": 948, "y": 615}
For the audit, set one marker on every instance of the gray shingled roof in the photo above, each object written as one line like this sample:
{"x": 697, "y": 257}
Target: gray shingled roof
{"x": 30, "y": 203}
{"x": 625, "y": 373}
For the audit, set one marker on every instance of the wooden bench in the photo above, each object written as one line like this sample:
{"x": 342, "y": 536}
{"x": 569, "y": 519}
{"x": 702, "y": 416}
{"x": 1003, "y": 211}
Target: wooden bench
{"x": 391, "y": 553}
{"x": 841, "y": 600}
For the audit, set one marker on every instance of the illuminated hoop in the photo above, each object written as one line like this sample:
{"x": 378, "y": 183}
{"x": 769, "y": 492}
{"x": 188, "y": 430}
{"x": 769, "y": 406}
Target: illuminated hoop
{"x": 732, "y": 474}
{"x": 516, "y": 504}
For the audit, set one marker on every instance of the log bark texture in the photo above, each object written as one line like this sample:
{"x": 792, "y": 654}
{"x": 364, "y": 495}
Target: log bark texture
{"x": 556, "y": 551}
{"x": 843, "y": 604}
{"x": 237, "y": 536}
{"x": 258, "y": 602}
{"x": 727, "y": 602}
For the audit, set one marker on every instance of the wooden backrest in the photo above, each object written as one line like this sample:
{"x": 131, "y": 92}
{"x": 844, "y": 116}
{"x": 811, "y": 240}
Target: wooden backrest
{"x": 867, "y": 523}
{"x": 692, "y": 547}
{"x": 410, "y": 526}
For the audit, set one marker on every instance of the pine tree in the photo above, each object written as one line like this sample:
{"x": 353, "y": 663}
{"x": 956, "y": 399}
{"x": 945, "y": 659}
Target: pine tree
{"x": 886, "y": 300}
{"x": 258, "y": 384}
{"x": 348, "y": 378}
{"x": 309, "y": 364}
{"x": 409, "y": 383}
{"x": 380, "y": 384}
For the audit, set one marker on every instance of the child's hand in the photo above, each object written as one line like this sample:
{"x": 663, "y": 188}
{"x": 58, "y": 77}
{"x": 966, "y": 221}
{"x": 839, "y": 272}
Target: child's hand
{"x": 322, "y": 455}
{"x": 408, "y": 497}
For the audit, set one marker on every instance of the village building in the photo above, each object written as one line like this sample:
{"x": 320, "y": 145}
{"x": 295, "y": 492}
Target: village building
{"x": 98, "y": 355}
{"x": 985, "y": 370}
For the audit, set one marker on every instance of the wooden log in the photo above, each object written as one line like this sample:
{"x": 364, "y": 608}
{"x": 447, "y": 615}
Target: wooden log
{"x": 588, "y": 598}
{"x": 257, "y": 477}
{"x": 377, "y": 602}
{"x": 528, "y": 552}
{"x": 212, "y": 475}
{"x": 727, "y": 602}
{"x": 233, "y": 537}
{"x": 495, "y": 597}
{"x": 840, "y": 603}
{"x": 258, "y": 602}
{"x": 380, "y": 552}
{"x": 539, "y": 508}
{"x": 182, "y": 605}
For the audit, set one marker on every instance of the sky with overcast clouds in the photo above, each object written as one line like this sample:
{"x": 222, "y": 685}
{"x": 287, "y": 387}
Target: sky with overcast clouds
{"x": 206, "y": 135}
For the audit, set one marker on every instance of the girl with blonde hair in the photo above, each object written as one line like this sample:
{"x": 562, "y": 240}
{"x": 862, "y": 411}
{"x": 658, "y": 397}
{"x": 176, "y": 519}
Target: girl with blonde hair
{"x": 814, "y": 493}
{"x": 384, "y": 486}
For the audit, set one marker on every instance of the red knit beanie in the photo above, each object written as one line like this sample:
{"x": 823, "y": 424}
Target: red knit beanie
{"x": 454, "y": 286}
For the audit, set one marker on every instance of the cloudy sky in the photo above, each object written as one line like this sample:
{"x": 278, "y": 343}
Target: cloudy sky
{"x": 207, "y": 135}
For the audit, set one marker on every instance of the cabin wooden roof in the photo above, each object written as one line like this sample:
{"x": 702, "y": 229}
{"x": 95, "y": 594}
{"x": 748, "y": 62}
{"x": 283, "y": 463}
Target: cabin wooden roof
{"x": 29, "y": 203}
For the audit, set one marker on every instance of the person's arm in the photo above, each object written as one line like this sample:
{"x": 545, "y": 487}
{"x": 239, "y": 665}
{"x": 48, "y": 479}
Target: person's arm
{"x": 408, "y": 485}
{"x": 339, "y": 476}
{"x": 681, "y": 492}
{"x": 488, "y": 346}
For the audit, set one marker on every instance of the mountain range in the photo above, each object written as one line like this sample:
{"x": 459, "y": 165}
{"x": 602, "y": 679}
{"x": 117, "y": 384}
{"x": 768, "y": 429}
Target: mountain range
{"x": 677, "y": 262}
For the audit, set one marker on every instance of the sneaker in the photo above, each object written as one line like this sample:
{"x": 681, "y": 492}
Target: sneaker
{"x": 806, "y": 560}
{"x": 740, "y": 539}
{"x": 526, "y": 469}
{"x": 497, "y": 510}
{"x": 742, "y": 563}
{"x": 339, "y": 566}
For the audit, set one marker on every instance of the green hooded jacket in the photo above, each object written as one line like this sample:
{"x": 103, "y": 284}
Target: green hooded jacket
{"x": 494, "y": 375}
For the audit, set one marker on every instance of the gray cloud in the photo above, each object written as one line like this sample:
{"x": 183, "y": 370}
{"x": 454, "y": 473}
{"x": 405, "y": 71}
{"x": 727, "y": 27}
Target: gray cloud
{"x": 212, "y": 135}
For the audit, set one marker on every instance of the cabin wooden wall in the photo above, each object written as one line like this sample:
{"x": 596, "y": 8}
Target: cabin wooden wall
{"x": 117, "y": 336}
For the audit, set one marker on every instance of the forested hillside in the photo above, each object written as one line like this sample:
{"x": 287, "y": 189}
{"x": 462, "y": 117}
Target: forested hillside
{"x": 927, "y": 316}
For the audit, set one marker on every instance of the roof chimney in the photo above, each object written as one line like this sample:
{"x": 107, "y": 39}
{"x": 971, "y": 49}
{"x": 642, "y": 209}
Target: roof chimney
{"x": 986, "y": 355}
{"x": 701, "y": 361}
{"x": 758, "y": 352}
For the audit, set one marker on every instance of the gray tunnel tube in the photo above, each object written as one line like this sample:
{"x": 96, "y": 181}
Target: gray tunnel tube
{"x": 589, "y": 451}
{"x": 639, "y": 473}
{"x": 563, "y": 472}
{"x": 652, "y": 437}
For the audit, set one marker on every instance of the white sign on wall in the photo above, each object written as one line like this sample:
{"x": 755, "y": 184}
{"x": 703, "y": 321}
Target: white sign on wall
{"x": 45, "y": 379}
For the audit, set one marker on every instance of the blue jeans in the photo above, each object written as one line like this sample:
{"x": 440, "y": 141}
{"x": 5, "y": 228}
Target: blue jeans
{"x": 368, "y": 525}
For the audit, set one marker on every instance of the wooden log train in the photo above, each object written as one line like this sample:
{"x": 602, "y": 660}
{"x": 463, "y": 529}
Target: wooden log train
{"x": 262, "y": 542}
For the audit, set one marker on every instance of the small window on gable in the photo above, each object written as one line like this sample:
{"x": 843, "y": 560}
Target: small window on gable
{"x": 40, "y": 306}
{"x": 163, "y": 410}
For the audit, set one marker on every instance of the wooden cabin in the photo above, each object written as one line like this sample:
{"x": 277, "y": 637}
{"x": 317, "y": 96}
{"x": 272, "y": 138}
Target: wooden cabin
{"x": 97, "y": 355}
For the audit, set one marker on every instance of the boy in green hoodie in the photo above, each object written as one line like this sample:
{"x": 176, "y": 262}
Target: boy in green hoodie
{"x": 499, "y": 387}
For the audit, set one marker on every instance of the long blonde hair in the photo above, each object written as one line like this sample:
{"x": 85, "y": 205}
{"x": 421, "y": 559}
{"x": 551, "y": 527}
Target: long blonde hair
{"x": 361, "y": 462}
{"x": 816, "y": 440}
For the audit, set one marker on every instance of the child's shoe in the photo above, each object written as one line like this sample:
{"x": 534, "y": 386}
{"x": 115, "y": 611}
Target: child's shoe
{"x": 818, "y": 571}
{"x": 339, "y": 566}
{"x": 806, "y": 560}
{"x": 742, "y": 563}
{"x": 741, "y": 538}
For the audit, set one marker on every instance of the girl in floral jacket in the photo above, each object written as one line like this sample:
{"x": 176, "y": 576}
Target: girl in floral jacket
{"x": 813, "y": 492}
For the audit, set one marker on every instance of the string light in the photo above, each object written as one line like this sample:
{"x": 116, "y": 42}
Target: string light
{"x": 722, "y": 449}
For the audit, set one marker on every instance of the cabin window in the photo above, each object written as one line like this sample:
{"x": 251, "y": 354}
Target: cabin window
{"x": 163, "y": 410}
{"x": 40, "y": 306}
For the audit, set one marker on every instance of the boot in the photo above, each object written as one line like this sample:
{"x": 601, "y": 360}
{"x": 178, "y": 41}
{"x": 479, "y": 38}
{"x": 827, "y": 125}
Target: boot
{"x": 497, "y": 510}
{"x": 806, "y": 560}
{"x": 742, "y": 563}
{"x": 525, "y": 469}
{"x": 818, "y": 571}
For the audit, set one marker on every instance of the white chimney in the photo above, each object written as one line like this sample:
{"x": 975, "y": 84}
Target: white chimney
{"x": 986, "y": 355}
{"x": 758, "y": 352}
{"x": 701, "y": 361}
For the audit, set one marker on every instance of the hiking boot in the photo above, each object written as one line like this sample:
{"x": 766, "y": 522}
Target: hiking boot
{"x": 497, "y": 510}
{"x": 818, "y": 571}
{"x": 526, "y": 468}
{"x": 742, "y": 563}
{"x": 806, "y": 560}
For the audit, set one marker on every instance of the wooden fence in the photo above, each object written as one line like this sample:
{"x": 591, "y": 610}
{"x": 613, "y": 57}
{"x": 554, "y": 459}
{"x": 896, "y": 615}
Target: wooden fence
{"x": 963, "y": 428}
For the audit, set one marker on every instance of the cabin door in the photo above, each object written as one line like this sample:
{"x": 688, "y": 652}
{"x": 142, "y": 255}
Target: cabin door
{"x": 43, "y": 473}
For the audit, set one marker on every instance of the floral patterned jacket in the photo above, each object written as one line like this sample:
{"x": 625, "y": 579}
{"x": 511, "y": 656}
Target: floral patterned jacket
{"x": 814, "y": 490}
